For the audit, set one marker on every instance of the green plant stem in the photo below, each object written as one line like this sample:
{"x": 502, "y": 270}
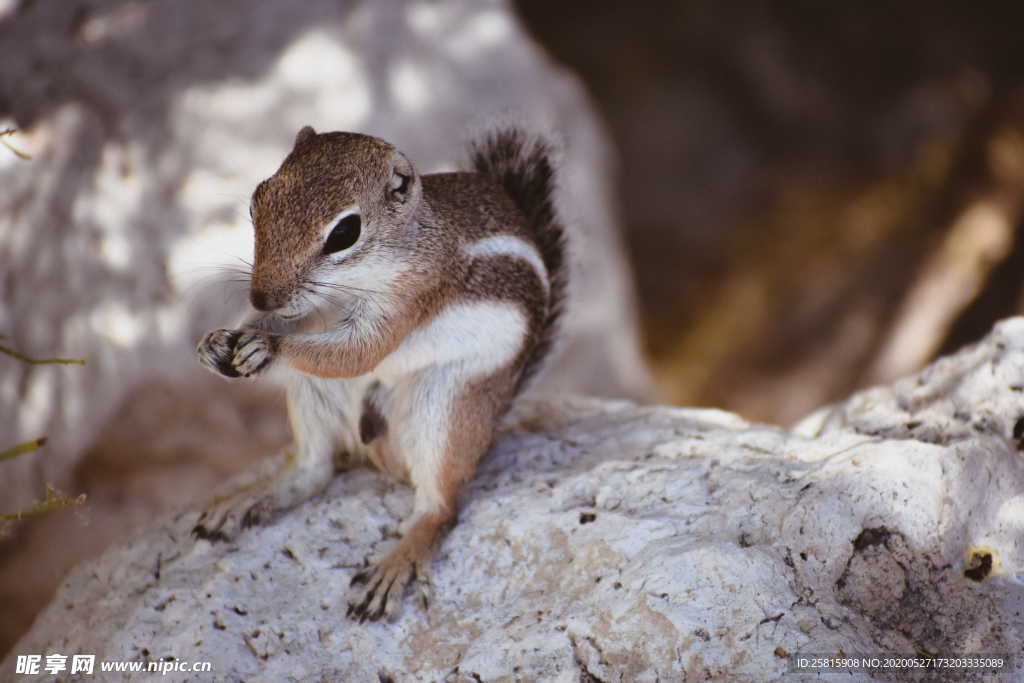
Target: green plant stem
{"x": 22, "y": 448}
{"x": 40, "y": 361}
{"x": 53, "y": 500}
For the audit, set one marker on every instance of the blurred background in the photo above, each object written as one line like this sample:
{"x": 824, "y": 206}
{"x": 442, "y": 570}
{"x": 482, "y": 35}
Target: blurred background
{"x": 809, "y": 198}
{"x": 816, "y": 197}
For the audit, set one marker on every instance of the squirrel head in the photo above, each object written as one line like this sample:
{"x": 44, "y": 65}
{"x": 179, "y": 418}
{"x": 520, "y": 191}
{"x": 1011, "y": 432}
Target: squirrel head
{"x": 331, "y": 222}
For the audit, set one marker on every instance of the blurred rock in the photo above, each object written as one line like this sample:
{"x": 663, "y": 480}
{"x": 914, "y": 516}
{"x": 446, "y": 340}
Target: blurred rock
{"x": 605, "y": 541}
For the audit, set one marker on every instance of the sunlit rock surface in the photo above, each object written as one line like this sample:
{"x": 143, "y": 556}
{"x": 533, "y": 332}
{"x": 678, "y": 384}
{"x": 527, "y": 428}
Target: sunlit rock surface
{"x": 149, "y": 124}
{"x": 605, "y": 541}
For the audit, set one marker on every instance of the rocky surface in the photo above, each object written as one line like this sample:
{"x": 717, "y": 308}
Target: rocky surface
{"x": 605, "y": 541}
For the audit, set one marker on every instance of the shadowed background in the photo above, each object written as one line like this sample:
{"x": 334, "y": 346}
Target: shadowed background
{"x": 812, "y": 199}
{"x": 815, "y": 196}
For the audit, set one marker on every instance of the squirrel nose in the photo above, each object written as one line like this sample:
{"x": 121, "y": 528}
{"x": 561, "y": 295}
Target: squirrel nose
{"x": 259, "y": 299}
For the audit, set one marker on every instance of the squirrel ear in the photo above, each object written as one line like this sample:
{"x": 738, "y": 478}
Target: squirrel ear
{"x": 402, "y": 177}
{"x": 305, "y": 134}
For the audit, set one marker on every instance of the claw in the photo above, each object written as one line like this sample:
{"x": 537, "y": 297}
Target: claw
{"x": 223, "y": 524}
{"x": 253, "y": 352}
{"x": 384, "y": 587}
{"x": 426, "y": 594}
{"x": 364, "y": 609}
{"x": 217, "y": 349}
{"x": 253, "y": 517}
{"x": 214, "y": 536}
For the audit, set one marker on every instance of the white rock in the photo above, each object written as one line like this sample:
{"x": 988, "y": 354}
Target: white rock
{"x": 613, "y": 542}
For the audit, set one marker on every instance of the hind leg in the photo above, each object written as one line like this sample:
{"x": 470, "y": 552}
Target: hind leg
{"x": 441, "y": 442}
{"x": 318, "y": 419}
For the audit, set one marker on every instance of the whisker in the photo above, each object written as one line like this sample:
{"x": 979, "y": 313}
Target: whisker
{"x": 347, "y": 288}
{"x": 215, "y": 279}
{"x": 323, "y": 320}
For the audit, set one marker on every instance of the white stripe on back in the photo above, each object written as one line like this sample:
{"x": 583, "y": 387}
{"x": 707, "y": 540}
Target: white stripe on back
{"x": 509, "y": 245}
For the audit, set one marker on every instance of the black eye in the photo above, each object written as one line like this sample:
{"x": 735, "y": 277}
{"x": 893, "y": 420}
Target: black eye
{"x": 344, "y": 235}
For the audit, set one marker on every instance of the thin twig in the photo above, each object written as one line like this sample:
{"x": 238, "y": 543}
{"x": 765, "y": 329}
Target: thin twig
{"x": 40, "y": 361}
{"x": 22, "y": 448}
{"x": 17, "y": 152}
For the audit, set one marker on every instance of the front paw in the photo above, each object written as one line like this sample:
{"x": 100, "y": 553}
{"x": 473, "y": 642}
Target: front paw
{"x": 261, "y": 495}
{"x": 217, "y": 351}
{"x": 254, "y": 352}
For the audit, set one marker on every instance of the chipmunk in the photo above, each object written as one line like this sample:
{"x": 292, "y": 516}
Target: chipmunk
{"x": 403, "y": 313}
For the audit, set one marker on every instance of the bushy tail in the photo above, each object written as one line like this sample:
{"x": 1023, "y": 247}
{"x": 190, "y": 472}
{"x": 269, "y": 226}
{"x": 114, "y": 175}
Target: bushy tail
{"x": 523, "y": 166}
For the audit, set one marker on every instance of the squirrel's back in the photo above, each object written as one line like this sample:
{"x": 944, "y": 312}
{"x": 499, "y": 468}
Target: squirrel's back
{"x": 523, "y": 167}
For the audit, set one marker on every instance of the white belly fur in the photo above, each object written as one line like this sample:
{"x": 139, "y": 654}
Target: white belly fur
{"x": 419, "y": 379}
